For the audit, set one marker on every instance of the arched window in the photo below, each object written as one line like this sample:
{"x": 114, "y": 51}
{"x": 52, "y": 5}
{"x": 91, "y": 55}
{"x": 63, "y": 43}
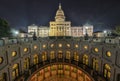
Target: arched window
{"x": 67, "y": 54}
{"x": 35, "y": 60}
{"x": 76, "y": 56}
{"x": 3, "y": 77}
{"x": 52, "y": 55}
{"x": 60, "y": 54}
{"x": 60, "y": 69}
{"x": 26, "y": 63}
{"x": 15, "y": 71}
{"x": 44, "y": 56}
{"x": 85, "y": 59}
{"x": 95, "y": 64}
{"x": 107, "y": 71}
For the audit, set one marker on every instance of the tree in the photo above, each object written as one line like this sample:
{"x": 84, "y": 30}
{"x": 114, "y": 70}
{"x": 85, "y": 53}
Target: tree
{"x": 4, "y": 28}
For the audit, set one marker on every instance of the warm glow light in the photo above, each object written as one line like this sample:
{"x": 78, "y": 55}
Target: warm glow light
{"x": 25, "y": 49}
{"x": 85, "y": 47}
{"x": 44, "y": 46}
{"x": 14, "y": 53}
{"x": 76, "y": 46}
{"x": 60, "y": 45}
{"x": 108, "y": 53}
{"x": 52, "y": 45}
{"x": 35, "y": 47}
{"x": 68, "y": 45}
{"x": 1, "y": 60}
{"x": 96, "y": 50}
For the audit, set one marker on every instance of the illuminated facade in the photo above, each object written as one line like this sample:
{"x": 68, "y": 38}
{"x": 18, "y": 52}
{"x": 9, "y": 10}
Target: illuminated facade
{"x": 54, "y": 59}
{"x": 61, "y": 27}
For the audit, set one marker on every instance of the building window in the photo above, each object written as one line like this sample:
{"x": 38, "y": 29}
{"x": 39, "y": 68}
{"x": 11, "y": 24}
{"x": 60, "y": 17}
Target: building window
{"x": 67, "y": 54}
{"x": 60, "y": 54}
{"x": 85, "y": 59}
{"x": 53, "y": 67}
{"x": 44, "y": 56}
{"x": 85, "y": 47}
{"x": 107, "y": 71}
{"x": 1, "y": 60}
{"x": 76, "y": 45}
{"x": 35, "y": 47}
{"x": 46, "y": 69}
{"x": 25, "y": 49}
{"x": 26, "y": 63}
{"x": 60, "y": 67}
{"x": 44, "y": 46}
{"x": 68, "y": 45}
{"x": 67, "y": 68}
{"x": 95, "y": 64}
{"x": 15, "y": 71}
{"x": 76, "y": 56}
{"x": 3, "y": 77}
{"x": 52, "y": 45}
{"x": 96, "y": 49}
{"x": 52, "y": 55}
{"x": 60, "y": 45}
{"x": 14, "y": 53}
{"x": 75, "y": 70}
{"x": 108, "y": 53}
{"x": 35, "y": 59}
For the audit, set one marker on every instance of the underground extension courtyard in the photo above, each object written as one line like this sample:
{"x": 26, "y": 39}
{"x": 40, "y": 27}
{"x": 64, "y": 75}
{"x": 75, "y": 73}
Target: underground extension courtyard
{"x": 59, "y": 59}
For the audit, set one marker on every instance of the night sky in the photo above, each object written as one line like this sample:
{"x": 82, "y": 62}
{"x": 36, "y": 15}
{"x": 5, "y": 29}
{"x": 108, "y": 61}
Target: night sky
{"x": 103, "y": 14}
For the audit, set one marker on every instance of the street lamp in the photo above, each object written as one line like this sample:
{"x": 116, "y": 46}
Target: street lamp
{"x": 15, "y": 32}
{"x": 105, "y": 32}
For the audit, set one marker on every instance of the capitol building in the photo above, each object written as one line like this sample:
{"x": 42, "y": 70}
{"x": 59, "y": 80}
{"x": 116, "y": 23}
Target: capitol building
{"x": 60, "y": 27}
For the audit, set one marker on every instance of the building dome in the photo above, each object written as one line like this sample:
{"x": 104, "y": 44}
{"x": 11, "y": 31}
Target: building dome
{"x": 60, "y": 14}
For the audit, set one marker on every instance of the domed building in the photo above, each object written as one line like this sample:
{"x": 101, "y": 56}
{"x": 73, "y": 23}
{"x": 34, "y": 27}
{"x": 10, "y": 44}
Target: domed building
{"x": 61, "y": 27}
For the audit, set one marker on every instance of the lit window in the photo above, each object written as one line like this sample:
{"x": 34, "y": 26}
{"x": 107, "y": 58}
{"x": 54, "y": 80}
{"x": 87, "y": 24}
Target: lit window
{"x": 85, "y": 59}
{"x": 60, "y": 45}
{"x": 35, "y": 47}
{"x": 44, "y": 46}
{"x": 95, "y": 64}
{"x": 46, "y": 69}
{"x": 68, "y": 45}
{"x": 26, "y": 63}
{"x": 44, "y": 56}
{"x": 67, "y": 54}
{"x": 14, "y": 53}
{"x": 52, "y": 45}
{"x": 85, "y": 47}
{"x": 60, "y": 54}
{"x": 15, "y": 71}
{"x": 108, "y": 53}
{"x": 35, "y": 59}
{"x": 76, "y": 56}
{"x": 52, "y": 55}
{"x": 107, "y": 71}
{"x": 76, "y": 46}
{"x": 96, "y": 50}
{"x": 75, "y": 70}
{"x": 1, "y": 60}
{"x": 25, "y": 49}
